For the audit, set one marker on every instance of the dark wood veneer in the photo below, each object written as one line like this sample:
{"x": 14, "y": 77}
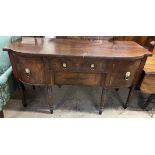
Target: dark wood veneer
{"x": 78, "y": 62}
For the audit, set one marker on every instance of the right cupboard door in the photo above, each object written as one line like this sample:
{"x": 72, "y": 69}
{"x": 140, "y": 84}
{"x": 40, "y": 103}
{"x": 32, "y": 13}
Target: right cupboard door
{"x": 123, "y": 73}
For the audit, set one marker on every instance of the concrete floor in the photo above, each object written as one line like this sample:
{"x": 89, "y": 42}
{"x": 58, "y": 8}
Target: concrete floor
{"x": 75, "y": 102}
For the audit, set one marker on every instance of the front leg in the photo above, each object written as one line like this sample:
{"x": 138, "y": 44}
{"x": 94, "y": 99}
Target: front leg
{"x": 147, "y": 101}
{"x": 131, "y": 89}
{"x": 23, "y": 93}
{"x": 49, "y": 98}
{"x": 101, "y": 101}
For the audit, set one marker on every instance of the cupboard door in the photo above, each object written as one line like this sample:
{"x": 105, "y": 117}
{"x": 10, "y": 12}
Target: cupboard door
{"x": 123, "y": 73}
{"x": 31, "y": 70}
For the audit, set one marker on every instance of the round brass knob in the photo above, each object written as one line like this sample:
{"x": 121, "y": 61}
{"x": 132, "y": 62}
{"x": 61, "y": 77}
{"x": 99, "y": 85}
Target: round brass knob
{"x": 64, "y": 65}
{"x": 92, "y": 66}
{"x": 27, "y": 72}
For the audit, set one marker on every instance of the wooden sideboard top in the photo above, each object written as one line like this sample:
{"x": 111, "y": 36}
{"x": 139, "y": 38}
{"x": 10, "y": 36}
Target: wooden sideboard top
{"x": 150, "y": 65}
{"x": 79, "y": 48}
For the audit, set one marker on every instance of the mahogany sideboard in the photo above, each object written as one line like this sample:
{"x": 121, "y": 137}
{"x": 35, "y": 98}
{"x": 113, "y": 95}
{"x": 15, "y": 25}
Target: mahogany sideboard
{"x": 77, "y": 62}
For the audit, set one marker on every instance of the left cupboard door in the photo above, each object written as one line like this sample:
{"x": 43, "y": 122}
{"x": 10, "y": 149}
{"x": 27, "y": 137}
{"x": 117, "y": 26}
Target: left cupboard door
{"x": 31, "y": 70}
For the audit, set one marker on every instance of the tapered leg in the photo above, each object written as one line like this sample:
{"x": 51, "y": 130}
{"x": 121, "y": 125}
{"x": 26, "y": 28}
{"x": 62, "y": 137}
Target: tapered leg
{"x": 23, "y": 93}
{"x": 49, "y": 98}
{"x": 129, "y": 96}
{"x": 152, "y": 111}
{"x": 101, "y": 101}
{"x": 33, "y": 87}
{"x": 1, "y": 114}
{"x": 147, "y": 102}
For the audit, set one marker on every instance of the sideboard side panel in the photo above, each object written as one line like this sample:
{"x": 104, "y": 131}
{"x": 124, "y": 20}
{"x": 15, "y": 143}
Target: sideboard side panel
{"x": 14, "y": 66}
{"x": 139, "y": 71}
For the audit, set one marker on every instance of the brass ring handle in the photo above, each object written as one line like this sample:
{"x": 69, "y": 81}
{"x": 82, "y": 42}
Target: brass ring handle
{"x": 64, "y": 65}
{"x": 92, "y": 66}
{"x": 27, "y": 72}
{"x": 127, "y": 75}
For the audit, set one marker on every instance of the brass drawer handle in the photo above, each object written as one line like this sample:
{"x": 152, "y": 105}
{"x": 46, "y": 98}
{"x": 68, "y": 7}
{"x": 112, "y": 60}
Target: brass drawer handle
{"x": 64, "y": 65}
{"x": 127, "y": 75}
{"x": 27, "y": 72}
{"x": 92, "y": 66}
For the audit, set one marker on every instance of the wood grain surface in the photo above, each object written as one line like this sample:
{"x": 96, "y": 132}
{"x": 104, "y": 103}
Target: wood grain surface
{"x": 48, "y": 62}
{"x": 81, "y": 48}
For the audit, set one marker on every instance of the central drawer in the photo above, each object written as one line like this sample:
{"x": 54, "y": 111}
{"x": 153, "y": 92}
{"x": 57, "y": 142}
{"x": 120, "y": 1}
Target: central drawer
{"x": 71, "y": 78}
{"x": 79, "y": 65}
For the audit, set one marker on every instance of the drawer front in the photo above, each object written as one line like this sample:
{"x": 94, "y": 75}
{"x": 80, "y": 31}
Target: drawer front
{"x": 79, "y": 65}
{"x": 31, "y": 70}
{"x": 123, "y": 73}
{"x": 79, "y": 79}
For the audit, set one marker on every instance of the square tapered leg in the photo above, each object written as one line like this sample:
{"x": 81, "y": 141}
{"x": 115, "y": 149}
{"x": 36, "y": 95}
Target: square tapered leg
{"x": 49, "y": 98}
{"x": 102, "y": 101}
{"x": 23, "y": 93}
